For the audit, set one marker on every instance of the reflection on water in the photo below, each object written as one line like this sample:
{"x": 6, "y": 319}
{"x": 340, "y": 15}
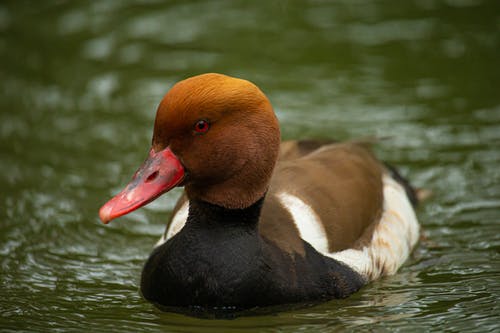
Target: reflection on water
{"x": 80, "y": 84}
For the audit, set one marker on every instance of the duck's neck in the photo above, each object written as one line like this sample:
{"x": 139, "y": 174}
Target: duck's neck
{"x": 209, "y": 215}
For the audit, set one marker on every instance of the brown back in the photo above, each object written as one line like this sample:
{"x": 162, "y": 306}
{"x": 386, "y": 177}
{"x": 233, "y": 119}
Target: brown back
{"x": 341, "y": 182}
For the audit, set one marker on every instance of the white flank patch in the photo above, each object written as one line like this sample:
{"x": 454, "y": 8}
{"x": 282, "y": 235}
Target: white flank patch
{"x": 178, "y": 222}
{"x": 307, "y": 221}
{"x": 392, "y": 240}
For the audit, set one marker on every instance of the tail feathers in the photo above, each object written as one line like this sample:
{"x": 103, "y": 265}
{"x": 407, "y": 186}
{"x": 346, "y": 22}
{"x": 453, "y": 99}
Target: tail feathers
{"x": 414, "y": 195}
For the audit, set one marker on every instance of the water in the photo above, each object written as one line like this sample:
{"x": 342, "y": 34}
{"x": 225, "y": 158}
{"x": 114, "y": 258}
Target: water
{"x": 80, "y": 82}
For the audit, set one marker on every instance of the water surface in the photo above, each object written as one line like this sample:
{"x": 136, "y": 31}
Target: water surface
{"x": 80, "y": 85}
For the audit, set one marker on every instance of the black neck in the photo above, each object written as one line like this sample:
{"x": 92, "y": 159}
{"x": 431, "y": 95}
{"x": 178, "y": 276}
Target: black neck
{"x": 202, "y": 212}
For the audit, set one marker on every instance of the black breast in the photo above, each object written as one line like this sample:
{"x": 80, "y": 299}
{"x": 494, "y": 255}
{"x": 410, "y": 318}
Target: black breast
{"x": 219, "y": 261}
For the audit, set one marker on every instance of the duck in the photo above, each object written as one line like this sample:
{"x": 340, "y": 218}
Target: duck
{"x": 261, "y": 222}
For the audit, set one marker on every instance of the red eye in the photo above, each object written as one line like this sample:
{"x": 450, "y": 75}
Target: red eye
{"x": 201, "y": 126}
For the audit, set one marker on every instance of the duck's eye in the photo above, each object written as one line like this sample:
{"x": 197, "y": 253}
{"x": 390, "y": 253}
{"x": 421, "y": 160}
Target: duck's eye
{"x": 201, "y": 126}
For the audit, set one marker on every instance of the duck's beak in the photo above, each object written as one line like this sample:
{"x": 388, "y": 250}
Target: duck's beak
{"x": 160, "y": 172}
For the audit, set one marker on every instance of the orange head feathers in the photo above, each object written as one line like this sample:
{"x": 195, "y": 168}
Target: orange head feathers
{"x": 224, "y": 134}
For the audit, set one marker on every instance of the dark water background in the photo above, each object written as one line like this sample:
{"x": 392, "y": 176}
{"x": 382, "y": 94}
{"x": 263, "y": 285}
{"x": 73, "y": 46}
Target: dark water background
{"x": 79, "y": 86}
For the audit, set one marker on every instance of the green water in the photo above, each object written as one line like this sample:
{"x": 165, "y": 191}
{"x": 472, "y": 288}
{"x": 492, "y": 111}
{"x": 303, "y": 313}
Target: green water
{"x": 79, "y": 86}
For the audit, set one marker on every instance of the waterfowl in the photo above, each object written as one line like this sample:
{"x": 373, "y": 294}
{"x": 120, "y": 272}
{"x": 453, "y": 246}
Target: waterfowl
{"x": 260, "y": 222}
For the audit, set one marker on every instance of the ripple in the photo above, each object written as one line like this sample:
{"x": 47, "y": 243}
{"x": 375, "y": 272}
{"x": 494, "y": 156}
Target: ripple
{"x": 78, "y": 110}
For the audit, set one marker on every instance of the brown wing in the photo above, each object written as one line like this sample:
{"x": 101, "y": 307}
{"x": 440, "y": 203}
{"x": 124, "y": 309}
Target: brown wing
{"x": 293, "y": 149}
{"x": 341, "y": 183}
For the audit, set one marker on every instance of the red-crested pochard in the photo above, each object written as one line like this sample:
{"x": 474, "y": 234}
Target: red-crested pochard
{"x": 262, "y": 223}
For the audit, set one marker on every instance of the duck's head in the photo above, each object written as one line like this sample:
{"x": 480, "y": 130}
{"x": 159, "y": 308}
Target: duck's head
{"x": 216, "y": 135}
